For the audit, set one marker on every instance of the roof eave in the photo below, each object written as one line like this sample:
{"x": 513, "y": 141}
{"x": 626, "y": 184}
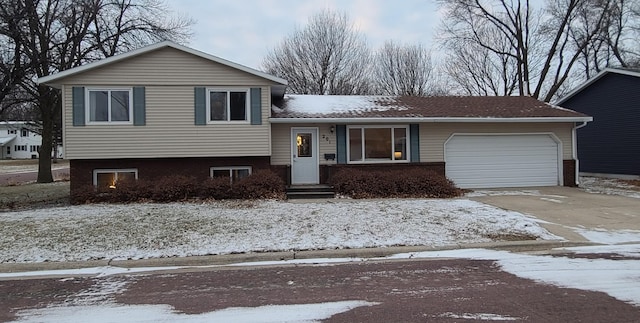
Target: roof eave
{"x": 431, "y": 119}
{"x": 592, "y": 80}
{"x": 51, "y": 79}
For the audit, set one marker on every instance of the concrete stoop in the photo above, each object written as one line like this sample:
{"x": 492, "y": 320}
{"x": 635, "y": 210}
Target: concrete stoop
{"x": 310, "y": 192}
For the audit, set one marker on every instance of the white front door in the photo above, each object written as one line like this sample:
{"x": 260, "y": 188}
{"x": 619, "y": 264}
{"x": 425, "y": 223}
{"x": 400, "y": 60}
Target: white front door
{"x": 304, "y": 156}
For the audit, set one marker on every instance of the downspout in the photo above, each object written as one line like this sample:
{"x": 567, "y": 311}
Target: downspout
{"x": 574, "y": 153}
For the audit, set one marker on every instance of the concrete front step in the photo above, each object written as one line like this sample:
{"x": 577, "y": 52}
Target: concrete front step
{"x": 310, "y": 192}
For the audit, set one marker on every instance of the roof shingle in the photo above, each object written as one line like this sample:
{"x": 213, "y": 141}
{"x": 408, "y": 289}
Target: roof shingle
{"x": 344, "y": 106}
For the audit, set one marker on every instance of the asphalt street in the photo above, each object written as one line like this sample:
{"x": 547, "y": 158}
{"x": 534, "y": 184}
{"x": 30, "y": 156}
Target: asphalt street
{"x": 440, "y": 290}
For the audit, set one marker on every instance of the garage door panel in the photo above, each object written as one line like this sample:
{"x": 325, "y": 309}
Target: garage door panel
{"x": 502, "y": 161}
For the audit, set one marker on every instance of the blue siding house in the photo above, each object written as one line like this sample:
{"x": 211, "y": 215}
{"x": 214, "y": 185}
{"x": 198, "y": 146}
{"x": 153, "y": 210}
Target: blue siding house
{"x": 611, "y": 143}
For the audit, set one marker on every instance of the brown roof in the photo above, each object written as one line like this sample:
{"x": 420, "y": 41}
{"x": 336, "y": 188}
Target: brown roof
{"x": 333, "y": 106}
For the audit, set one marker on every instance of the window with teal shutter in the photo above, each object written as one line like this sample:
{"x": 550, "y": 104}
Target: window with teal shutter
{"x": 256, "y": 106}
{"x": 77, "y": 105}
{"x": 200, "y": 106}
{"x": 139, "y": 106}
{"x": 341, "y": 141}
{"x": 414, "y": 133}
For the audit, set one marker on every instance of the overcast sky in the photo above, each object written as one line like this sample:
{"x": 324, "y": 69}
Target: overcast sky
{"x": 243, "y": 31}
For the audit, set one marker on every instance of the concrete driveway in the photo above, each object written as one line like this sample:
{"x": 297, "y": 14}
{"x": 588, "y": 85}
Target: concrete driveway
{"x": 570, "y": 212}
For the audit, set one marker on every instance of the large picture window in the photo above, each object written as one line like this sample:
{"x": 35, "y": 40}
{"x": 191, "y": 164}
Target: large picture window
{"x": 109, "y": 105}
{"x": 228, "y": 105}
{"x": 377, "y": 144}
{"x": 104, "y": 179}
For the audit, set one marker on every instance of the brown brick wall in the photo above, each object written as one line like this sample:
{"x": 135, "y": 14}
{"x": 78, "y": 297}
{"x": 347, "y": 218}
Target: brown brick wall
{"x": 569, "y": 172}
{"x": 81, "y": 171}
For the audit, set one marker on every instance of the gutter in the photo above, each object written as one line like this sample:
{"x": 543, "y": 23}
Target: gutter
{"x": 429, "y": 119}
{"x": 574, "y": 152}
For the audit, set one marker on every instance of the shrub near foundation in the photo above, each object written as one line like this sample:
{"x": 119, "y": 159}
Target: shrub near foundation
{"x": 393, "y": 183}
{"x": 260, "y": 185}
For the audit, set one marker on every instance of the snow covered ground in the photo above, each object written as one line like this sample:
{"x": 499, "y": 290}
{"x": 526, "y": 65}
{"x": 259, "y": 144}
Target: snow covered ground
{"x": 138, "y": 231}
{"x": 618, "y": 278}
{"x": 610, "y": 186}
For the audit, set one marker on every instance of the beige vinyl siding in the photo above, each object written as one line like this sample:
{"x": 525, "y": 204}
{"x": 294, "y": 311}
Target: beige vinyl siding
{"x": 281, "y": 143}
{"x": 163, "y": 67}
{"x": 434, "y": 135}
{"x": 432, "y": 138}
{"x": 169, "y": 131}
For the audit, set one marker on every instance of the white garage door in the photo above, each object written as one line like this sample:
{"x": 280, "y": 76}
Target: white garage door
{"x": 484, "y": 161}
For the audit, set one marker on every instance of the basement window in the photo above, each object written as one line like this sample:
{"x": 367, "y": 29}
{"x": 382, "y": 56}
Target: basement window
{"x": 234, "y": 173}
{"x": 105, "y": 179}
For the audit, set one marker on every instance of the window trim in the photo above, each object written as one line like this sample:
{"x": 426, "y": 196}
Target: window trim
{"x": 247, "y": 104}
{"x": 87, "y": 105}
{"x": 230, "y": 169}
{"x": 391, "y": 161}
{"x": 112, "y": 170}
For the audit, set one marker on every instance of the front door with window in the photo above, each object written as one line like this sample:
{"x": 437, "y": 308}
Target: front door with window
{"x": 304, "y": 156}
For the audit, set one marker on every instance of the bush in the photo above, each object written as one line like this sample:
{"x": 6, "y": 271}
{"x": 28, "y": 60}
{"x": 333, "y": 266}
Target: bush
{"x": 263, "y": 184}
{"x": 393, "y": 183}
{"x": 259, "y": 185}
{"x": 218, "y": 188}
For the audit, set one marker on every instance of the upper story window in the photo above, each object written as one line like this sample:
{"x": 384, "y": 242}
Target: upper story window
{"x": 377, "y": 144}
{"x": 109, "y": 105}
{"x": 12, "y": 131}
{"x": 228, "y": 104}
{"x": 24, "y": 133}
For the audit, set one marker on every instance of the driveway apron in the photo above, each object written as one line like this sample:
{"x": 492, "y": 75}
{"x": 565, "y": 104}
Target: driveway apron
{"x": 562, "y": 209}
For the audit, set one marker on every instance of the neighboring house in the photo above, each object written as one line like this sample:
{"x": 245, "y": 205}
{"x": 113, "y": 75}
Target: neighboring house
{"x": 17, "y": 141}
{"x": 611, "y": 143}
{"x": 167, "y": 109}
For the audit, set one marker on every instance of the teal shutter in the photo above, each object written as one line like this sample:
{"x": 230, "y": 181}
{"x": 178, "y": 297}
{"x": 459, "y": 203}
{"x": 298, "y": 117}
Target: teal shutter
{"x": 256, "y": 105}
{"x": 414, "y": 133}
{"x": 341, "y": 141}
{"x": 77, "y": 105}
{"x": 139, "y": 117}
{"x": 200, "y": 99}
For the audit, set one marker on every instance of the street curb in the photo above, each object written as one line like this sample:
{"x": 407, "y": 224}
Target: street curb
{"x": 220, "y": 260}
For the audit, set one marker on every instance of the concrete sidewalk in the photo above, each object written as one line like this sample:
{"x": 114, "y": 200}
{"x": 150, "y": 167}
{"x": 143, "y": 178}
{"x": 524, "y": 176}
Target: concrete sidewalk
{"x": 565, "y": 208}
{"x": 216, "y": 261}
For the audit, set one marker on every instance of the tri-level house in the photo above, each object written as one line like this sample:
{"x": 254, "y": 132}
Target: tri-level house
{"x": 167, "y": 109}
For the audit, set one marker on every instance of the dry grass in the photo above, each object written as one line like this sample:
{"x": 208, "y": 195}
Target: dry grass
{"x": 633, "y": 182}
{"x": 29, "y": 196}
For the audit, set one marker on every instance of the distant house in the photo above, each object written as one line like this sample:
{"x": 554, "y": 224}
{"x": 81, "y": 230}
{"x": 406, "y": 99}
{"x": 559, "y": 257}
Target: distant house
{"x": 18, "y": 141}
{"x": 168, "y": 109}
{"x": 611, "y": 143}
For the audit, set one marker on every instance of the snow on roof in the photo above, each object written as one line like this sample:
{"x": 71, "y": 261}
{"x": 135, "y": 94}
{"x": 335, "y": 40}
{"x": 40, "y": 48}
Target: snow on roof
{"x": 473, "y": 107}
{"x": 330, "y": 104}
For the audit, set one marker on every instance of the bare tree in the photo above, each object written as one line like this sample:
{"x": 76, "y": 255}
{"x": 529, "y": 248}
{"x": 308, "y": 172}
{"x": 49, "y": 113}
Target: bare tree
{"x": 60, "y": 34}
{"x": 543, "y": 44}
{"x": 328, "y": 56}
{"x": 404, "y": 70}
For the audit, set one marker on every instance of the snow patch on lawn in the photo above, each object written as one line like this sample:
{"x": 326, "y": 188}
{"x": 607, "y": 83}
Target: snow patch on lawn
{"x": 107, "y": 313}
{"x": 609, "y": 186}
{"x": 139, "y": 231}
